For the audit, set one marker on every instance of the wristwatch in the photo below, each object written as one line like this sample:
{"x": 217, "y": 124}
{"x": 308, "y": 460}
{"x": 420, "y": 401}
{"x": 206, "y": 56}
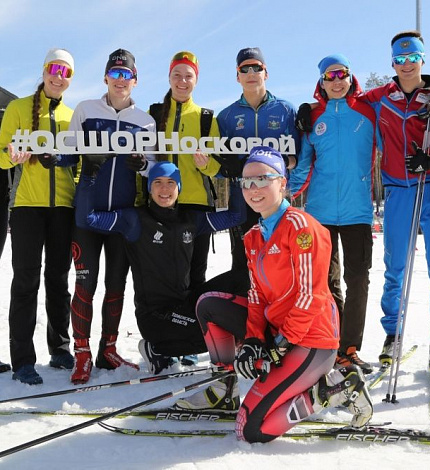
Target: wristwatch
{"x": 282, "y": 344}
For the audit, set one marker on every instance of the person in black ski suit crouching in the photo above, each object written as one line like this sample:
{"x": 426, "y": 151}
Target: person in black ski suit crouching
{"x": 160, "y": 261}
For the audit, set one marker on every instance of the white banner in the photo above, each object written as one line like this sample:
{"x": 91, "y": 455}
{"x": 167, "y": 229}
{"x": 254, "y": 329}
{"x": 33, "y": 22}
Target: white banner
{"x": 125, "y": 142}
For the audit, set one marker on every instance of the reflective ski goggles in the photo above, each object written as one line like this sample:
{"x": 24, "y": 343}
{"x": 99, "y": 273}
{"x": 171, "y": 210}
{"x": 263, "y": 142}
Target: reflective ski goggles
{"x": 57, "y": 69}
{"x": 413, "y": 58}
{"x": 126, "y": 74}
{"x": 260, "y": 181}
{"x": 331, "y": 75}
{"x": 185, "y": 55}
{"x": 256, "y": 68}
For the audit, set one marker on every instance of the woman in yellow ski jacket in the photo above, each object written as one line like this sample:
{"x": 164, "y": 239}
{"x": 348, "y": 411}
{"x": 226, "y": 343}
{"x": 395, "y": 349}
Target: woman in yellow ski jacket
{"x": 41, "y": 220}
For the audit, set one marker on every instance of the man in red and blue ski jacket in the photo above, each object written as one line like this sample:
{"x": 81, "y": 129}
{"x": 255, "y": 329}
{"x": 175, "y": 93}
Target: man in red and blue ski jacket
{"x": 402, "y": 110}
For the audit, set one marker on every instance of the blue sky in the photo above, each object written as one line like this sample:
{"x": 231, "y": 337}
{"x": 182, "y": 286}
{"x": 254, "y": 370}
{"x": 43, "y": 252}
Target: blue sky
{"x": 293, "y": 36}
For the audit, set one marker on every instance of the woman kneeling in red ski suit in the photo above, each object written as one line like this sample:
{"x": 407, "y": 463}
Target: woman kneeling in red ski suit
{"x": 290, "y": 312}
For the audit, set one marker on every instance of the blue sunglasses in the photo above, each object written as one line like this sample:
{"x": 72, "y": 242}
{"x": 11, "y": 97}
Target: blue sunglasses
{"x": 126, "y": 74}
{"x": 413, "y": 58}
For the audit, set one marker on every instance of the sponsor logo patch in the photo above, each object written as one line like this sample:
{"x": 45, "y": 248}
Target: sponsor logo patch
{"x": 187, "y": 237}
{"x": 273, "y": 250}
{"x": 240, "y": 124}
{"x": 273, "y": 125}
{"x": 157, "y": 237}
{"x": 396, "y": 96}
{"x": 320, "y": 128}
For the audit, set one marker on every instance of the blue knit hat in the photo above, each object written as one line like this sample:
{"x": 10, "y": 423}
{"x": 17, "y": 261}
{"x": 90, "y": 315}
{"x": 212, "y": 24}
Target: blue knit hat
{"x": 269, "y": 156}
{"x": 164, "y": 169}
{"x": 331, "y": 60}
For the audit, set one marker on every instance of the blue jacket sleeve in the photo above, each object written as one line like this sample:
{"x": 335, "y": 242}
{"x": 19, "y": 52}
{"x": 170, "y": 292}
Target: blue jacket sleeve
{"x": 235, "y": 215}
{"x": 299, "y": 174}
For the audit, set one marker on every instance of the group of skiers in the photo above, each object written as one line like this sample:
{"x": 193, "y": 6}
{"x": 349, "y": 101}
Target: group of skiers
{"x": 281, "y": 302}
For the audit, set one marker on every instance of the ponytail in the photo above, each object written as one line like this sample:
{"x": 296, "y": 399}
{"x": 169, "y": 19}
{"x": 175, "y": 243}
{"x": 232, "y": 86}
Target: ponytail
{"x": 36, "y": 116}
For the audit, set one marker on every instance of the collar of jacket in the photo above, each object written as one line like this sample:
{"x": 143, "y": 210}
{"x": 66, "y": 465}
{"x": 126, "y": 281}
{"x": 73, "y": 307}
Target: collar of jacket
{"x": 45, "y": 101}
{"x": 104, "y": 98}
{"x": 185, "y": 106}
{"x": 426, "y": 79}
{"x": 268, "y": 225}
{"x": 164, "y": 214}
{"x": 269, "y": 97}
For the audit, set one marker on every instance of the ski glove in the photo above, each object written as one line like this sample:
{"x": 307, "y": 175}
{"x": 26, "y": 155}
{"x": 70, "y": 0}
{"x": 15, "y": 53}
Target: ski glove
{"x": 419, "y": 162}
{"x": 48, "y": 160}
{"x": 136, "y": 162}
{"x": 244, "y": 364}
{"x": 231, "y": 166}
{"x": 303, "y": 120}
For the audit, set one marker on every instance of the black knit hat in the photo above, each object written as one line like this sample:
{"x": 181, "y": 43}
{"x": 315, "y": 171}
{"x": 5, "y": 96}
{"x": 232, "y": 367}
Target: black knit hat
{"x": 249, "y": 53}
{"x": 121, "y": 58}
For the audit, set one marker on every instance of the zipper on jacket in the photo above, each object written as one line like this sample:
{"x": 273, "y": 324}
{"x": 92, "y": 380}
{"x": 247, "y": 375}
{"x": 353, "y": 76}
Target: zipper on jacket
{"x": 112, "y": 171}
{"x": 405, "y": 146}
{"x": 339, "y": 158}
{"x": 176, "y": 123}
{"x": 256, "y": 114}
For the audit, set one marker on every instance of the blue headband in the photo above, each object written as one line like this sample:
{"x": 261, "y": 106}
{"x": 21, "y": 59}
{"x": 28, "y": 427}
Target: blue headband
{"x": 268, "y": 156}
{"x": 407, "y": 45}
{"x": 164, "y": 169}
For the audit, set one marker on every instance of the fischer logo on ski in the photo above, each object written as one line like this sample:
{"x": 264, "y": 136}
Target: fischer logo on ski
{"x": 370, "y": 437}
{"x": 186, "y": 416}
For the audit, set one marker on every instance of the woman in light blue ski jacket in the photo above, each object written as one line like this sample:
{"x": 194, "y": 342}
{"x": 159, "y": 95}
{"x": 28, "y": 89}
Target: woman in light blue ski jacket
{"x": 336, "y": 164}
{"x": 336, "y": 160}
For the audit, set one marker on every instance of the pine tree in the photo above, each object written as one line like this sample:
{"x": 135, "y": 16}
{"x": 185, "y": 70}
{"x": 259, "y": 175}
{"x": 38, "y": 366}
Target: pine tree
{"x": 374, "y": 80}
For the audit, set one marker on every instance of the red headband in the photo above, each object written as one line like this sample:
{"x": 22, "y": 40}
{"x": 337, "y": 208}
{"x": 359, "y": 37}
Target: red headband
{"x": 184, "y": 61}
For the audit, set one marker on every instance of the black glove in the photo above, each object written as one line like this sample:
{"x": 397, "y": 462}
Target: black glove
{"x": 282, "y": 345}
{"x": 419, "y": 162}
{"x": 303, "y": 120}
{"x": 244, "y": 364}
{"x": 136, "y": 162}
{"x": 231, "y": 165}
{"x": 48, "y": 160}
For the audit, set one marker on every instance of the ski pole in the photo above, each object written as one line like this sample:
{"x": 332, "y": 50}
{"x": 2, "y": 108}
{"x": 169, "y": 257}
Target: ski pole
{"x": 150, "y": 401}
{"x": 92, "y": 388}
{"x": 407, "y": 278}
{"x": 404, "y": 300}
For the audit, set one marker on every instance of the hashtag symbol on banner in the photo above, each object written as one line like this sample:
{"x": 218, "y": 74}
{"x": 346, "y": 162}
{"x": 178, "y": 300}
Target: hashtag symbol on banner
{"x": 21, "y": 140}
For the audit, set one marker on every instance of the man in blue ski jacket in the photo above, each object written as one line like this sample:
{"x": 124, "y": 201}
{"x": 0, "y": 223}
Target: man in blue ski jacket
{"x": 257, "y": 113}
{"x": 336, "y": 166}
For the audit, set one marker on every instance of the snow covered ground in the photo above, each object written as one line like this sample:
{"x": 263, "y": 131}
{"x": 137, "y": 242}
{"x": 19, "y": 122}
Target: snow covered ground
{"x": 95, "y": 448}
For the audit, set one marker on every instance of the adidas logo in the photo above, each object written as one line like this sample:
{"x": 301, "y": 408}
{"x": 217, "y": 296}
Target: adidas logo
{"x": 157, "y": 237}
{"x": 273, "y": 250}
